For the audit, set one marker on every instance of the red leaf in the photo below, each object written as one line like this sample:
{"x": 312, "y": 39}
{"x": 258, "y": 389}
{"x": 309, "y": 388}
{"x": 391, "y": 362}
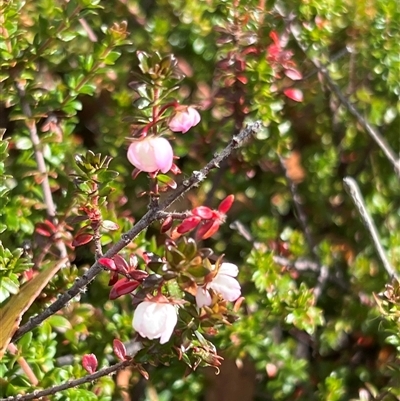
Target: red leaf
{"x": 167, "y": 224}
{"x": 119, "y": 349}
{"x": 43, "y": 230}
{"x": 122, "y": 287}
{"x": 242, "y": 79}
{"x": 293, "y": 74}
{"x": 274, "y": 36}
{"x": 188, "y": 224}
{"x": 294, "y": 94}
{"x": 109, "y": 225}
{"x": 82, "y": 239}
{"x": 108, "y": 263}
{"x": 121, "y": 264}
{"x": 89, "y": 363}
{"x": 226, "y": 204}
{"x": 113, "y": 278}
{"x": 207, "y": 230}
{"x": 175, "y": 169}
{"x": 138, "y": 275}
{"x": 203, "y": 211}
{"x": 47, "y": 228}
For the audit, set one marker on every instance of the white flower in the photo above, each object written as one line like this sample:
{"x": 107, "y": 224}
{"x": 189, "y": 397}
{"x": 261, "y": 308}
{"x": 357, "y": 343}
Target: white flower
{"x": 223, "y": 283}
{"x": 155, "y": 320}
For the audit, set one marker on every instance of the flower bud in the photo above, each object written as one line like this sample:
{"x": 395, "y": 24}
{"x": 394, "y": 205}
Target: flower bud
{"x": 184, "y": 119}
{"x": 155, "y": 320}
{"x": 151, "y": 154}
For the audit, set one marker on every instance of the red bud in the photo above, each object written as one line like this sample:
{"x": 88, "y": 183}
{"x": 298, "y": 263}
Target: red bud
{"x": 89, "y": 363}
{"x": 119, "y": 349}
{"x": 207, "y": 230}
{"x": 203, "y": 211}
{"x": 226, "y": 204}
{"x": 188, "y": 224}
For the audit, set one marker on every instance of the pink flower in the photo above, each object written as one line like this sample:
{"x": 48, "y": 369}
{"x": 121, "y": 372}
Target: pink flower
{"x": 184, "y": 119}
{"x": 155, "y": 320}
{"x": 222, "y": 283}
{"x": 150, "y": 154}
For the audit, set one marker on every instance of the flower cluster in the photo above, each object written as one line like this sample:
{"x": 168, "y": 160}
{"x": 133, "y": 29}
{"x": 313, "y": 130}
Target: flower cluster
{"x": 152, "y": 153}
{"x": 281, "y": 59}
{"x": 221, "y": 282}
{"x": 156, "y": 317}
{"x": 210, "y": 219}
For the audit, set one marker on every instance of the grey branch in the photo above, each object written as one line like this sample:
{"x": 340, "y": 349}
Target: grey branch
{"x": 355, "y": 193}
{"x": 152, "y": 215}
{"x": 69, "y": 384}
{"x": 47, "y": 194}
{"x": 371, "y": 130}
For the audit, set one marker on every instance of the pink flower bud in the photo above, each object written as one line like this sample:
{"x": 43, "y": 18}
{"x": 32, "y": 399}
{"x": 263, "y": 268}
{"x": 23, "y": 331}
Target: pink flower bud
{"x": 155, "y": 320}
{"x": 184, "y": 119}
{"x": 151, "y": 154}
{"x": 89, "y": 363}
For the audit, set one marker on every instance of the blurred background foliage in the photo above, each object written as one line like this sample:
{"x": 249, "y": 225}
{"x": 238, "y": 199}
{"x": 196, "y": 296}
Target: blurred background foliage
{"x": 321, "y": 317}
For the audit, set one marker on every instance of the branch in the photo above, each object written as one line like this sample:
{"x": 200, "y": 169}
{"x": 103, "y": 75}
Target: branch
{"x": 371, "y": 130}
{"x": 303, "y": 220}
{"x": 47, "y": 194}
{"x": 355, "y": 193}
{"x": 72, "y": 383}
{"x": 153, "y": 214}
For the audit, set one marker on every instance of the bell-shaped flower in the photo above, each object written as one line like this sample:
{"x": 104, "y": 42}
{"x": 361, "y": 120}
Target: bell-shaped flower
{"x": 223, "y": 283}
{"x": 150, "y": 154}
{"x": 184, "y": 119}
{"x": 155, "y": 320}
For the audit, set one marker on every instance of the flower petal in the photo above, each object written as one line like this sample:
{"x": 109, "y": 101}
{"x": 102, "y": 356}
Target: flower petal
{"x": 227, "y": 286}
{"x": 203, "y": 297}
{"x": 228, "y": 269}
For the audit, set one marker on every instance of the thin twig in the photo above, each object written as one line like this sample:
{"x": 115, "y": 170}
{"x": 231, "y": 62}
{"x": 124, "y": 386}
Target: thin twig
{"x": 69, "y": 384}
{"x": 153, "y": 214}
{"x": 305, "y": 226}
{"x": 355, "y": 193}
{"x": 47, "y": 194}
{"x": 372, "y": 131}
{"x": 91, "y": 35}
{"x": 174, "y": 215}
